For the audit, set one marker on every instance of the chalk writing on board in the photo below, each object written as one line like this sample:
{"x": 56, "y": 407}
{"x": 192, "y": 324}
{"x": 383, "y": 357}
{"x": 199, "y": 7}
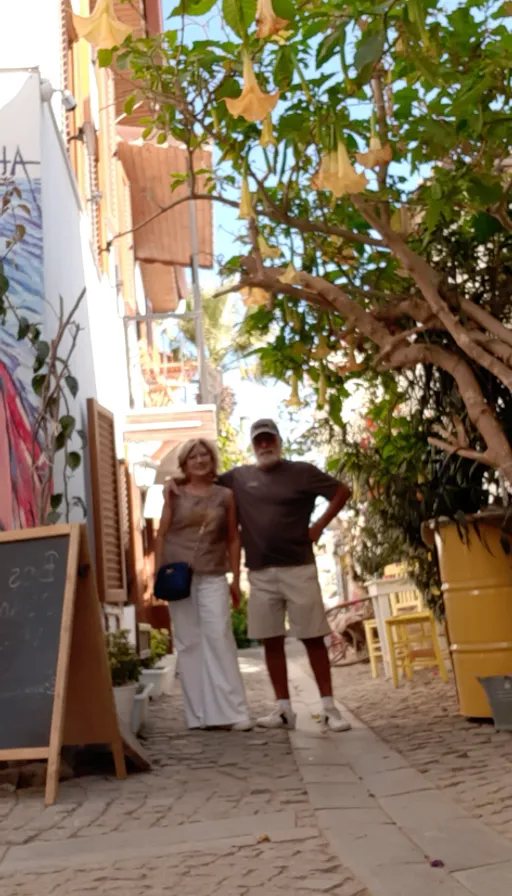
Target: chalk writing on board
{"x": 32, "y": 591}
{"x": 29, "y": 574}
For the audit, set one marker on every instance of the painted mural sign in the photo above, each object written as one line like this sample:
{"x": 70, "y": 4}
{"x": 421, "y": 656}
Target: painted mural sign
{"x": 22, "y": 265}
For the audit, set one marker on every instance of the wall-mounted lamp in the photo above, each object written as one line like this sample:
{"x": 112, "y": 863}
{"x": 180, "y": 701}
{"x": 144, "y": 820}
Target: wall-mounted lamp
{"x": 144, "y": 473}
{"x": 47, "y": 92}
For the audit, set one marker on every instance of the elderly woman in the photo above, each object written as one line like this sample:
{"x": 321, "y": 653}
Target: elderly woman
{"x": 199, "y": 527}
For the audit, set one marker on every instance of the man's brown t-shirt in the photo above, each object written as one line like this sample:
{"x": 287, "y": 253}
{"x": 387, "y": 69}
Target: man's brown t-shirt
{"x": 274, "y": 510}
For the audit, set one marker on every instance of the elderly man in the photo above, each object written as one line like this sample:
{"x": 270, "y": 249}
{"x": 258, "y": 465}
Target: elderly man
{"x": 275, "y": 499}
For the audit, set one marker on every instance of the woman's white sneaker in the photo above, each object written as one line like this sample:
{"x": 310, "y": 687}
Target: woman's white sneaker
{"x": 242, "y": 726}
{"x": 279, "y": 718}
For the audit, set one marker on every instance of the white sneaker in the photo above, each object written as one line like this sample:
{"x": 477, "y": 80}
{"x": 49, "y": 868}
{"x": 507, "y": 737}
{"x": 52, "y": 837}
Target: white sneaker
{"x": 333, "y": 720}
{"x": 279, "y": 718}
{"x": 242, "y": 726}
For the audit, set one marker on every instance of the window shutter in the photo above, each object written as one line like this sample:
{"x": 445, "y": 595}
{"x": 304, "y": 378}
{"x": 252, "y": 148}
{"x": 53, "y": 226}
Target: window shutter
{"x": 107, "y": 505}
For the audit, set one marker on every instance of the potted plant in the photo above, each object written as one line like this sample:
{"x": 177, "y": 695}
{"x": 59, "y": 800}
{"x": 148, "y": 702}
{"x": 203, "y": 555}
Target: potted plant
{"x": 159, "y": 668}
{"x": 125, "y": 669}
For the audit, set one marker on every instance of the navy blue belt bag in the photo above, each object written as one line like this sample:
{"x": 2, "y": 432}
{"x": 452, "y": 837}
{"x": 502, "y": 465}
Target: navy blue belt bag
{"x": 173, "y": 582}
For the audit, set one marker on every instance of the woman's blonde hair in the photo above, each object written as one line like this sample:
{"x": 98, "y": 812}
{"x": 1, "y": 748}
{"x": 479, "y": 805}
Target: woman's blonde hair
{"x": 187, "y": 449}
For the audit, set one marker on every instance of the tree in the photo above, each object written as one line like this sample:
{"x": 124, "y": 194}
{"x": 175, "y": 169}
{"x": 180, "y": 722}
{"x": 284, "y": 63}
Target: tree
{"x": 383, "y": 269}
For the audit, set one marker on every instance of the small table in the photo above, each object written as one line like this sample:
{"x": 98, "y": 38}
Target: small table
{"x": 379, "y": 591}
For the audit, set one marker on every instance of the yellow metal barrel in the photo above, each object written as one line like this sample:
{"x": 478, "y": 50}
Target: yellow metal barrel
{"x": 477, "y": 588}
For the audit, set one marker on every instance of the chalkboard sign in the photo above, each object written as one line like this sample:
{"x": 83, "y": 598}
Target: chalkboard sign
{"x": 55, "y": 685}
{"x": 32, "y": 589}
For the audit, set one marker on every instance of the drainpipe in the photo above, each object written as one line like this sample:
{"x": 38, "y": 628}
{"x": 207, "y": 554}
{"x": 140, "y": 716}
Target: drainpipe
{"x": 198, "y": 307}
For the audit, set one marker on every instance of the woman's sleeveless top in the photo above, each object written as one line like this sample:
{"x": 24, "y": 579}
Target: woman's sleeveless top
{"x": 207, "y": 553}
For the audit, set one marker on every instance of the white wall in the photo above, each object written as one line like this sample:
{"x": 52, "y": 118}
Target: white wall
{"x": 98, "y": 362}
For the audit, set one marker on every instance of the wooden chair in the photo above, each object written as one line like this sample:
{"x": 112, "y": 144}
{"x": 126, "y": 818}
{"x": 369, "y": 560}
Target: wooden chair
{"x": 373, "y": 645}
{"x": 414, "y": 644}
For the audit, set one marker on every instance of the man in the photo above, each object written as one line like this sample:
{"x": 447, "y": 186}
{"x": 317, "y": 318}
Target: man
{"x": 275, "y": 499}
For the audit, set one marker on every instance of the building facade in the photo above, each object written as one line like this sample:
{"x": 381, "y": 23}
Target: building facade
{"x": 82, "y": 185}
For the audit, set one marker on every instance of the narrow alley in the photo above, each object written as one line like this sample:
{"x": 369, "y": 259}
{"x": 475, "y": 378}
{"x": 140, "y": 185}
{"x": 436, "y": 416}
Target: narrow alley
{"x": 262, "y": 811}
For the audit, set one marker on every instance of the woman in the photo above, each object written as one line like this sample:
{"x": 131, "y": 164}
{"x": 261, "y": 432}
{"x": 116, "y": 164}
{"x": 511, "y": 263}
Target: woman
{"x": 199, "y": 527}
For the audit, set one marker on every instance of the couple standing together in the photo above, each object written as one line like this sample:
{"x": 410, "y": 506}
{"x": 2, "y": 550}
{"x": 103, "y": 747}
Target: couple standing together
{"x": 265, "y": 508}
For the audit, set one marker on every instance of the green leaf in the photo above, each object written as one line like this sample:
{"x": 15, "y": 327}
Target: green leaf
{"x": 74, "y": 460}
{"x": 82, "y": 435}
{"x": 52, "y": 518}
{"x": 56, "y": 501}
{"x": 328, "y": 47}
{"x": 67, "y": 424}
{"x": 161, "y": 139}
{"x": 72, "y": 384}
{"x": 38, "y": 383}
{"x": 193, "y": 7}
{"x": 42, "y": 352}
{"x": 23, "y": 328}
{"x": 123, "y": 61}
{"x": 370, "y": 50}
{"x": 239, "y": 15}
{"x": 129, "y": 104}
{"x": 284, "y": 67}
{"x": 105, "y": 58}
{"x": 485, "y": 226}
{"x": 229, "y": 87}
{"x": 147, "y": 132}
{"x": 285, "y": 9}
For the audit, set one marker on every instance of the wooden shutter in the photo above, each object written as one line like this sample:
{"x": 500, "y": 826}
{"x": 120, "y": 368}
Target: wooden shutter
{"x": 132, "y": 535}
{"x": 107, "y": 505}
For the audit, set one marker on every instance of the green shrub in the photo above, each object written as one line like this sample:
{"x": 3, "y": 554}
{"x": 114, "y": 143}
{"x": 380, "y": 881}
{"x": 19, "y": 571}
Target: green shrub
{"x": 158, "y": 644}
{"x": 124, "y": 662}
{"x": 239, "y": 623}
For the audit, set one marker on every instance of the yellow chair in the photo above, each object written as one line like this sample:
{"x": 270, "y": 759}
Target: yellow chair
{"x": 373, "y": 644}
{"x": 409, "y": 601}
{"x": 414, "y": 644}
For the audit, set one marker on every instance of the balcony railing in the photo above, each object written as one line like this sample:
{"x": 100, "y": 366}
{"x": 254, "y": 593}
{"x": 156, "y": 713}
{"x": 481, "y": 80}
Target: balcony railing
{"x": 160, "y": 378}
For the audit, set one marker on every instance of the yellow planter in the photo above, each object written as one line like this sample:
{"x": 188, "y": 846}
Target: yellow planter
{"x": 477, "y": 590}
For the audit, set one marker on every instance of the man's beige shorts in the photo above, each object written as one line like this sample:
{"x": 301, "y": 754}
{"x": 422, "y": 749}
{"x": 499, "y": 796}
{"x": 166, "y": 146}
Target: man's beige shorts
{"x": 293, "y": 591}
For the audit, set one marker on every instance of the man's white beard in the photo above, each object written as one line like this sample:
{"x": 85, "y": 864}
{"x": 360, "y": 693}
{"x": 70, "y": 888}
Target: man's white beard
{"x": 269, "y": 460}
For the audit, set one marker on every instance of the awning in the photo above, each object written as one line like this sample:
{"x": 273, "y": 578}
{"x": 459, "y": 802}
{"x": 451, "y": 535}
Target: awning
{"x": 164, "y": 285}
{"x": 165, "y": 237}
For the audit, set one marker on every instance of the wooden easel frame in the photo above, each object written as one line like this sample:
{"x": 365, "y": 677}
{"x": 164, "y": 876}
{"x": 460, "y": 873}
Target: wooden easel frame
{"x": 83, "y": 703}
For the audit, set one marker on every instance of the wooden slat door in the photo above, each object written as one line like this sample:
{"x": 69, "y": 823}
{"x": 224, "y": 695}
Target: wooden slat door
{"x": 107, "y": 505}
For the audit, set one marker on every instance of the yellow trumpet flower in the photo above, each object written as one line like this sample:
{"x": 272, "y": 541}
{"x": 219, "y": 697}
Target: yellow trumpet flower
{"x": 246, "y": 210}
{"x": 294, "y": 399}
{"x": 401, "y": 222}
{"x": 290, "y": 275}
{"x": 253, "y": 104}
{"x": 376, "y": 155}
{"x": 337, "y": 175}
{"x": 322, "y": 350}
{"x": 267, "y": 251}
{"x": 254, "y": 295}
{"x": 267, "y": 21}
{"x": 267, "y": 135}
{"x": 102, "y": 28}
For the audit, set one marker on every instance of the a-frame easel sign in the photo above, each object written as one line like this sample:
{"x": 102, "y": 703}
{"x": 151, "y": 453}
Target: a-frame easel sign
{"x": 55, "y": 685}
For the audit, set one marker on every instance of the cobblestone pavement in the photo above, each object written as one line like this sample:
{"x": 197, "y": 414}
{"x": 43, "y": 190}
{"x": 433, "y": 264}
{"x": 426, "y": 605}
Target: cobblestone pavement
{"x": 420, "y": 719}
{"x": 209, "y": 777}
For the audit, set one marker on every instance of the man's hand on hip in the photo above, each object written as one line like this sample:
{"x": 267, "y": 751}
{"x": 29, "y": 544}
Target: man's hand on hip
{"x": 315, "y": 531}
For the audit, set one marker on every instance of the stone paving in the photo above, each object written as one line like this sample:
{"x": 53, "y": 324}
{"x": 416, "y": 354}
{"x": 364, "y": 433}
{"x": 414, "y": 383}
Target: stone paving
{"x": 357, "y": 814}
{"x": 420, "y": 719}
{"x": 244, "y": 788}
